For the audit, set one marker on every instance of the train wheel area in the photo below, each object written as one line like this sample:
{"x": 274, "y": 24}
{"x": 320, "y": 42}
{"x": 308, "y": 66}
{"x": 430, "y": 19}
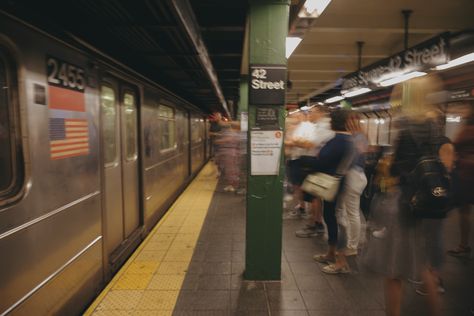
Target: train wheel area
{"x": 193, "y": 263}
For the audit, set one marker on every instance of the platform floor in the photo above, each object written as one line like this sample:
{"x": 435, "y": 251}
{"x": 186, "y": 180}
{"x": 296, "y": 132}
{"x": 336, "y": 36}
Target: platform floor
{"x": 192, "y": 264}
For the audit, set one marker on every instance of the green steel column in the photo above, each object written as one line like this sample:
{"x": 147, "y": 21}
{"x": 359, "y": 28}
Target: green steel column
{"x": 244, "y": 95}
{"x": 268, "y": 31}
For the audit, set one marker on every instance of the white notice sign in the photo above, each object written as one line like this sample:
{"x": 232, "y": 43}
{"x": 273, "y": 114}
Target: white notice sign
{"x": 265, "y": 150}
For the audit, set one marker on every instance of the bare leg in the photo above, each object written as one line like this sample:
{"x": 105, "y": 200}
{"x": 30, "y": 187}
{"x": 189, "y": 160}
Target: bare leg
{"x": 331, "y": 254}
{"x": 299, "y": 195}
{"x": 431, "y": 283}
{"x": 341, "y": 260}
{"x": 393, "y": 296}
{"x": 316, "y": 206}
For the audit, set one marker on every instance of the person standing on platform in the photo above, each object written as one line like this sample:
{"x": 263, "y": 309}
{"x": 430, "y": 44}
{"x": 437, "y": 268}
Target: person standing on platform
{"x": 335, "y": 155}
{"x": 323, "y": 133}
{"x": 464, "y": 145}
{"x": 298, "y": 142}
{"x": 348, "y": 208}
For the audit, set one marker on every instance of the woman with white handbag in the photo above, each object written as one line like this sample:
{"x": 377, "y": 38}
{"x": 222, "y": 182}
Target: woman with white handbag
{"x": 330, "y": 166}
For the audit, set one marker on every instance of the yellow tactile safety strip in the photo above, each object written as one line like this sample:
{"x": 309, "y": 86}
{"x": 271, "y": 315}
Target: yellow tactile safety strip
{"x": 150, "y": 281}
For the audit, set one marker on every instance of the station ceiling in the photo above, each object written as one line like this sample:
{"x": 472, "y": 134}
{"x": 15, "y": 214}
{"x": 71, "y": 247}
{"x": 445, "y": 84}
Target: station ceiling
{"x": 329, "y": 51}
{"x": 186, "y": 44}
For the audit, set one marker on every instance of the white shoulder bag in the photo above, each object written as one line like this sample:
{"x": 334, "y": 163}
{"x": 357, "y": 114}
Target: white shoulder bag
{"x": 324, "y": 185}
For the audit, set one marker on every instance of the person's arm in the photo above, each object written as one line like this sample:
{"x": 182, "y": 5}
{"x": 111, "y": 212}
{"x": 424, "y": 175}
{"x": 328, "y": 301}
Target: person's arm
{"x": 447, "y": 156}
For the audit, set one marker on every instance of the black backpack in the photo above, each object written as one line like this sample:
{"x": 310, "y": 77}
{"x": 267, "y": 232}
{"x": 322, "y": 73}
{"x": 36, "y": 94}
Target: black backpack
{"x": 432, "y": 194}
{"x": 432, "y": 184}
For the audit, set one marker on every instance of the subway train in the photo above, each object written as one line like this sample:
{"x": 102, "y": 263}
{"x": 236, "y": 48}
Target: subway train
{"x": 92, "y": 155}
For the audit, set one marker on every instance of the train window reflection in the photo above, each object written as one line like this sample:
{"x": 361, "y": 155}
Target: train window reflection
{"x": 130, "y": 122}
{"x": 167, "y": 127}
{"x": 6, "y": 152}
{"x": 372, "y": 130}
{"x": 11, "y": 163}
{"x": 384, "y": 131}
{"x": 197, "y": 130}
{"x": 109, "y": 118}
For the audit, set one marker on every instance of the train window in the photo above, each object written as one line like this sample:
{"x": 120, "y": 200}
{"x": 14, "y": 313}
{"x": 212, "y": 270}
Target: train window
{"x": 6, "y": 161}
{"x": 372, "y": 130}
{"x": 197, "y": 130}
{"x": 10, "y": 167}
{"x": 384, "y": 131}
{"x": 167, "y": 127}
{"x": 130, "y": 118}
{"x": 109, "y": 118}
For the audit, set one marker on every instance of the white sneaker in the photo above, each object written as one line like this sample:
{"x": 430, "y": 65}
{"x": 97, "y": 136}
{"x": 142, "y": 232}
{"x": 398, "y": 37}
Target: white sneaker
{"x": 350, "y": 252}
{"x": 229, "y": 188}
{"x": 380, "y": 233}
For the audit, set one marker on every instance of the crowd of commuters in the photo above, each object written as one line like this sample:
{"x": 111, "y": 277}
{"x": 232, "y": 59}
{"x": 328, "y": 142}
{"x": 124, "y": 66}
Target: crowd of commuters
{"x": 388, "y": 238}
{"x": 400, "y": 245}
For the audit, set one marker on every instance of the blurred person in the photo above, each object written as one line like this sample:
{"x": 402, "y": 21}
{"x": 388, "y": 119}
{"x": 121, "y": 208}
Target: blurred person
{"x": 433, "y": 228}
{"x": 323, "y": 133}
{"x": 300, "y": 142}
{"x": 214, "y": 130}
{"x": 464, "y": 145}
{"x": 348, "y": 207}
{"x": 407, "y": 256}
{"x": 229, "y": 144}
{"x": 292, "y": 121}
{"x": 336, "y": 151}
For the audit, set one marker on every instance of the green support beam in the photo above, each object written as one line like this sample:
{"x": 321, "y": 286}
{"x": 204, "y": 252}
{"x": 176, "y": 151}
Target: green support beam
{"x": 268, "y": 31}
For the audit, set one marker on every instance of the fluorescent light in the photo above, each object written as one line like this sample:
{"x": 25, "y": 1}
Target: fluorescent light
{"x": 453, "y": 119}
{"x": 334, "y": 99}
{"x": 456, "y": 62}
{"x": 291, "y": 44}
{"x": 313, "y": 8}
{"x": 356, "y": 92}
{"x": 401, "y": 78}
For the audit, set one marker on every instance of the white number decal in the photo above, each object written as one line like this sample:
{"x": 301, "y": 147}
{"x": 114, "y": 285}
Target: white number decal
{"x": 259, "y": 73}
{"x": 63, "y": 74}
{"x": 52, "y": 76}
{"x": 71, "y": 76}
{"x": 80, "y": 79}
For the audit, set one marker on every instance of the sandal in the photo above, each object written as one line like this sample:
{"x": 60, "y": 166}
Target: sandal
{"x": 460, "y": 251}
{"x": 332, "y": 269}
{"x": 323, "y": 259}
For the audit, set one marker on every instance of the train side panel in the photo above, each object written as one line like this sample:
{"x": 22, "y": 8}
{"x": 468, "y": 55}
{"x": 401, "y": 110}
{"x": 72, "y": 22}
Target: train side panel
{"x": 51, "y": 236}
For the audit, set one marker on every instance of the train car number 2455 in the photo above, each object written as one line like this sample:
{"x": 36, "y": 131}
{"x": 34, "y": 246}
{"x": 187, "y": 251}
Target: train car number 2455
{"x": 64, "y": 74}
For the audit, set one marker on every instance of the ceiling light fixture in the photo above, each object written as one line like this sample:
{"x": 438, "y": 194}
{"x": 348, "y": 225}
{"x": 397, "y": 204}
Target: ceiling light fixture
{"x": 456, "y": 62}
{"x": 356, "y": 92}
{"x": 313, "y": 8}
{"x": 401, "y": 78}
{"x": 291, "y": 44}
{"x": 334, "y": 99}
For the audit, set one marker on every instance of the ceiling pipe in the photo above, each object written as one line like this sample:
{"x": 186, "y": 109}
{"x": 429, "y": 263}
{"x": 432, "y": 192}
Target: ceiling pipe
{"x": 185, "y": 14}
{"x": 406, "y": 18}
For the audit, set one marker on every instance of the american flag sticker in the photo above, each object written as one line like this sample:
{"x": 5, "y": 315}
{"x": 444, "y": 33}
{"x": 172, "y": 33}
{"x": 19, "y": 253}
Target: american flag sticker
{"x": 68, "y": 137}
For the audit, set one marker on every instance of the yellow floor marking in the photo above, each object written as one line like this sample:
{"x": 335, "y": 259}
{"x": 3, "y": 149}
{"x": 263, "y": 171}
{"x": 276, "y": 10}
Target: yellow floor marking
{"x": 150, "y": 281}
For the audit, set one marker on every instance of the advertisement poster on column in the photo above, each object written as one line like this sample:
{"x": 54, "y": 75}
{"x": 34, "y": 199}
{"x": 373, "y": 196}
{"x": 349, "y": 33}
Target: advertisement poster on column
{"x": 265, "y": 151}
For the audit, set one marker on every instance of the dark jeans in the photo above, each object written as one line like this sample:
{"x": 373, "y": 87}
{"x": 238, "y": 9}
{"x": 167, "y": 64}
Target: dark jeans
{"x": 331, "y": 221}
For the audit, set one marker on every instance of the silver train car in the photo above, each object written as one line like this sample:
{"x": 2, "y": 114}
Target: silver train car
{"x": 91, "y": 156}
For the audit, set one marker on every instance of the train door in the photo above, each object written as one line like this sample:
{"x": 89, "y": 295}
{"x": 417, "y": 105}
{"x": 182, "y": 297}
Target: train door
{"x": 187, "y": 142}
{"x": 119, "y": 105}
